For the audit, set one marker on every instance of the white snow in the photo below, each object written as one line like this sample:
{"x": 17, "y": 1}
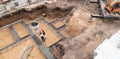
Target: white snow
{"x": 109, "y": 48}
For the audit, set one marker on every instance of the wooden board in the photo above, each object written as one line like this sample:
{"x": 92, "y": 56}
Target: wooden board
{"x": 6, "y": 37}
{"x": 51, "y": 36}
{"x": 20, "y": 29}
{"x": 17, "y": 51}
{"x": 58, "y": 24}
{"x": 64, "y": 32}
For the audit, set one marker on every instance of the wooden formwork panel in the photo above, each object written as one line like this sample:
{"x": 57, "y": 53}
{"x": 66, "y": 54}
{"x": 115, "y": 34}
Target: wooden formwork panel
{"x": 64, "y": 32}
{"x": 58, "y": 24}
{"x": 19, "y": 50}
{"x": 51, "y": 36}
{"x": 21, "y": 30}
{"x": 71, "y": 31}
{"x": 6, "y": 37}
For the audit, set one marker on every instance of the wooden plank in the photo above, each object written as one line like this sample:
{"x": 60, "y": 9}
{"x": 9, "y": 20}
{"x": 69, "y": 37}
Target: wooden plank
{"x": 13, "y": 44}
{"x": 53, "y": 28}
{"x": 58, "y": 24}
{"x": 20, "y": 29}
{"x": 17, "y": 51}
{"x": 14, "y": 33}
{"x": 51, "y": 36}
{"x": 6, "y": 37}
{"x": 44, "y": 50}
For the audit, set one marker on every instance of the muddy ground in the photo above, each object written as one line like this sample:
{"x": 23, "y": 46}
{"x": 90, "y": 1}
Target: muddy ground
{"x": 83, "y": 37}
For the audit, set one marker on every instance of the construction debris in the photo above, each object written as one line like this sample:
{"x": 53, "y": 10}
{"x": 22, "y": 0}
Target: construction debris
{"x": 107, "y": 10}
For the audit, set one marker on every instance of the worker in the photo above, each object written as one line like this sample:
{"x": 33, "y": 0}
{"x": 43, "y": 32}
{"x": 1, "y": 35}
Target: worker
{"x": 42, "y": 35}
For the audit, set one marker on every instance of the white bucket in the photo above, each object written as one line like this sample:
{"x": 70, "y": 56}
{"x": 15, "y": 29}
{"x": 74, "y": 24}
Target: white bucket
{"x": 35, "y": 25}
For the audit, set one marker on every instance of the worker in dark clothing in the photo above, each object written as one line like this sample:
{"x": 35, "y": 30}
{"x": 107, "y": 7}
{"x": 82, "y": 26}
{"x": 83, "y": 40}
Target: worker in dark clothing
{"x": 42, "y": 35}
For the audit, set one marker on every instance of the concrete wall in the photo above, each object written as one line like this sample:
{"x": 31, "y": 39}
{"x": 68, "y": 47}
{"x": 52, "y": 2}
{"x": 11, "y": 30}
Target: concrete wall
{"x": 19, "y": 4}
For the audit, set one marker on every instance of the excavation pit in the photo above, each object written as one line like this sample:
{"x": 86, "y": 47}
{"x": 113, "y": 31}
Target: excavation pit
{"x": 52, "y": 29}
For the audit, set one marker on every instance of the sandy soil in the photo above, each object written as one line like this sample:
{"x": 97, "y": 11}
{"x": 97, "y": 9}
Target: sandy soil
{"x": 17, "y": 51}
{"x": 6, "y": 37}
{"x": 20, "y": 29}
{"x": 51, "y": 36}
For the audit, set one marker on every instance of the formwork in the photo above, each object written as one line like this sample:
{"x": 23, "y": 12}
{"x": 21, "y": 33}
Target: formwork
{"x": 22, "y": 40}
{"x": 6, "y": 37}
{"x": 18, "y": 51}
{"x": 51, "y": 36}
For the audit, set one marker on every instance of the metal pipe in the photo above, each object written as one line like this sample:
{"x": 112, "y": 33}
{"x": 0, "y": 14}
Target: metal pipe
{"x": 106, "y": 17}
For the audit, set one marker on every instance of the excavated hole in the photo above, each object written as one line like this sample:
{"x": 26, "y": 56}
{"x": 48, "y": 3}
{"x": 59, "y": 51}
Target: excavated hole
{"x": 48, "y": 13}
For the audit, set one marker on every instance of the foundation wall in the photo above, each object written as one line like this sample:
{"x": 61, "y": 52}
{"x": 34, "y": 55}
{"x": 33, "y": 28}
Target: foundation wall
{"x": 17, "y": 5}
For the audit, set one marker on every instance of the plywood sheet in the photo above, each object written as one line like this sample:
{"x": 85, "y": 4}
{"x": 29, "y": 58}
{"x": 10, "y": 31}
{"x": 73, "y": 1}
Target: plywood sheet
{"x": 64, "y": 32}
{"x": 17, "y": 51}
{"x": 51, "y": 36}
{"x": 21, "y": 30}
{"x": 58, "y": 24}
{"x": 6, "y": 37}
